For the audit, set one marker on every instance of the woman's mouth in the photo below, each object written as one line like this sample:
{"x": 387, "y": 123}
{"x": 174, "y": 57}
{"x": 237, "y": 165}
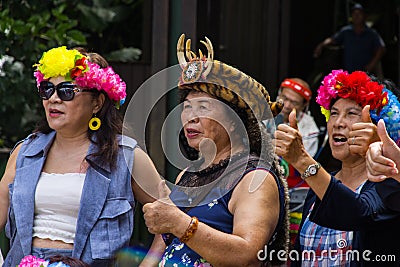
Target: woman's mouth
{"x": 192, "y": 133}
{"x": 54, "y": 112}
{"x": 339, "y": 139}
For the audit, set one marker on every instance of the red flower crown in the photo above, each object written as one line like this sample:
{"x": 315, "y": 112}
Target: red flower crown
{"x": 356, "y": 86}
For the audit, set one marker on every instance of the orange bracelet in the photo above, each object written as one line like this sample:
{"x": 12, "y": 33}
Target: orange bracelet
{"x": 192, "y": 228}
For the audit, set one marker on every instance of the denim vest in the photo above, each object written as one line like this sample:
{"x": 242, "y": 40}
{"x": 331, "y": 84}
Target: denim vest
{"x": 105, "y": 218}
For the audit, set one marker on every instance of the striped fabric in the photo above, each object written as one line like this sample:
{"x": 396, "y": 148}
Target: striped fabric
{"x": 323, "y": 246}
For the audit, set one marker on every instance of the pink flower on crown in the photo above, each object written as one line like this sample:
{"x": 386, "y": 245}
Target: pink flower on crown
{"x": 32, "y": 261}
{"x": 103, "y": 79}
{"x": 39, "y": 77}
{"x": 328, "y": 91}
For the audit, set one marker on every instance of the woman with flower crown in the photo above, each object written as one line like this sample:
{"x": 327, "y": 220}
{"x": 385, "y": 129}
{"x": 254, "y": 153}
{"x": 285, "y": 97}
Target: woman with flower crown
{"x": 343, "y": 214}
{"x": 68, "y": 187}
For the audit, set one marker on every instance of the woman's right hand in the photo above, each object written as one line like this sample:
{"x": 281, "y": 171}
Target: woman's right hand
{"x": 288, "y": 141}
{"x": 163, "y": 216}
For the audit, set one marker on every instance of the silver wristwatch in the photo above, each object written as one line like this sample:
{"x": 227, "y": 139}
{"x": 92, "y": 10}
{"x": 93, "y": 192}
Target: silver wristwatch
{"x": 311, "y": 170}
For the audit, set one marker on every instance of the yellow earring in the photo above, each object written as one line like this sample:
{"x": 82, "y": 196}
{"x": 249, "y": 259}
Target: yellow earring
{"x": 94, "y": 123}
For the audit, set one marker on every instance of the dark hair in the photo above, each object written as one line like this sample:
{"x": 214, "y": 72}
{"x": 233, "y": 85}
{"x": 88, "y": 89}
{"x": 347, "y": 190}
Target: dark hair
{"x": 72, "y": 262}
{"x": 111, "y": 121}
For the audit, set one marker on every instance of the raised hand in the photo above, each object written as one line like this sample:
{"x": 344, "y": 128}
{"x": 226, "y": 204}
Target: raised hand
{"x": 288, "y": 140}
{"x": 362, "y": 134}
{"x": 159, "y": 215}
{"x": 383, "y": 157}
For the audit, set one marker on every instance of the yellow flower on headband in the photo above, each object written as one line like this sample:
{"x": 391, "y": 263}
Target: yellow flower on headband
{"x": 58, "y": 62}
{"x": 326, "y": 113}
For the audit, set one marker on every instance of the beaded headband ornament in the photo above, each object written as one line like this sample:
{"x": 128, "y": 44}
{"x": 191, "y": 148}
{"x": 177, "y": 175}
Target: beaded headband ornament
{"x": 220, "y": 80}
{"x": 297, "y": 87}
{"x": 359, "y": 87}
{"x": 74, "y": 66}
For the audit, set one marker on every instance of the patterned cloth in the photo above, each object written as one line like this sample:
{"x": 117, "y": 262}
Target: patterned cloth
{"x": 322, "y": 246}
{"x": 212, "y": 210}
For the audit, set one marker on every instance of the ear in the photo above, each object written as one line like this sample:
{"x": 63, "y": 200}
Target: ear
{"x": 98, "y": 103}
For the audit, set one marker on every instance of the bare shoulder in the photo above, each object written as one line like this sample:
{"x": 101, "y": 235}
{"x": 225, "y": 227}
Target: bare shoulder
{"x": 258, "y": 181}
{"x": 9, "y": 173}
{"x": 257, "y": 185}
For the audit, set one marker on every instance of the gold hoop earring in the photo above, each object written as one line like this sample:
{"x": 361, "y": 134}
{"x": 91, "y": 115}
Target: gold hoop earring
{"x": 94, "y": 123}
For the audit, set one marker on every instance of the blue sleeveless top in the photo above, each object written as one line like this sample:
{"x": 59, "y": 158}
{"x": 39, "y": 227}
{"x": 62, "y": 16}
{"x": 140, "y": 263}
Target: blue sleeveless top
{"x": 211, "y": 207}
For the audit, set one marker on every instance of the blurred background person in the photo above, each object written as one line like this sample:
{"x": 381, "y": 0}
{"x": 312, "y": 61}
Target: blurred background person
{"x": 363, "y": 47}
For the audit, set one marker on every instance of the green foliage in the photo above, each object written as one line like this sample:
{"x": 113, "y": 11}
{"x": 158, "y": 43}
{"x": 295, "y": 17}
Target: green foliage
{"x": 128, "y": 54}
{"x": 29, "y": 27}
{"x": 25, "y": 32}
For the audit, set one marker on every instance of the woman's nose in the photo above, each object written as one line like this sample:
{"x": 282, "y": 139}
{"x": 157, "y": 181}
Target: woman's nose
{"x": 189, "y": 116}
{"x": 54, "y": 97}
{"x": 193, "y": 118}
{"x": 339, "y": 121}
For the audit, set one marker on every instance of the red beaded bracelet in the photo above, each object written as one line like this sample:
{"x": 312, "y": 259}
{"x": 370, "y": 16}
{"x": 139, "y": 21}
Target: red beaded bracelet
{"x": 192, "y": 228}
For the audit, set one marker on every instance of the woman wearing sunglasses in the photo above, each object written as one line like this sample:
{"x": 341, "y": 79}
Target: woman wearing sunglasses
{"x": 68, "y": 187}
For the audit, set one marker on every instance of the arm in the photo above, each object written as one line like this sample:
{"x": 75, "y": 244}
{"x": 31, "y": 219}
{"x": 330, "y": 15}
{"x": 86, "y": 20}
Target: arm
{"x": 155, "y": 252}
{"x": 343, "y": 209}
{"x": 389, "y": 191}
{"x": 145, "y": 177}
{"x": 255, "y": 218}
{"x": 7, "y": 179}
{"x": 157, "y": 248}
{"x": 320, "y": 46}
{"x": 289, "y": 145}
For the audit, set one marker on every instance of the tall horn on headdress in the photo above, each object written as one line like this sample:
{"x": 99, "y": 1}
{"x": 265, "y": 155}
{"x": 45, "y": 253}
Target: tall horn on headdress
{"x": 189, "y": 54}
{"x": 180, "y": 51}
{"x": 210, "y": 56}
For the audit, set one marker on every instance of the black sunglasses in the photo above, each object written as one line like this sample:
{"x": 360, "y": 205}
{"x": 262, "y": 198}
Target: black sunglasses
{"x": 65, "y": 90}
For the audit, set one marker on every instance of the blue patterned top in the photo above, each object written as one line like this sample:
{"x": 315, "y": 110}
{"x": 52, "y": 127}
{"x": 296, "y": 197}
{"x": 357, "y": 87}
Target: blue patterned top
{"x": 213, "y": 211}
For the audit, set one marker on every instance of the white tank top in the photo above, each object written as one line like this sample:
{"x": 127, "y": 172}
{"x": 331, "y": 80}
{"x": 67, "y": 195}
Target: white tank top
{"x": 57, "y": 202}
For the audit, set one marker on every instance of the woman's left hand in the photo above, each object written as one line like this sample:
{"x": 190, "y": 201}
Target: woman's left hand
{"x": 362, "y": 134}
{"x": 288, "y": 141}
{"x": 382, "y": 157}
{"x": 162, "y": 216}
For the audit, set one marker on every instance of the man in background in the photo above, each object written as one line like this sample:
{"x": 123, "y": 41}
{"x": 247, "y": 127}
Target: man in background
{"x": 363, "y": 47}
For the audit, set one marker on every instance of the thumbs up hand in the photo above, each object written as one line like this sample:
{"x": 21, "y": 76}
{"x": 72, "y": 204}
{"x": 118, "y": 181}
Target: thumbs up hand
{"x": 383, "y": 157}
{"x": 160, "y": 216}
{"x": 362, "y": 134}
{"x": 288, "y": 141}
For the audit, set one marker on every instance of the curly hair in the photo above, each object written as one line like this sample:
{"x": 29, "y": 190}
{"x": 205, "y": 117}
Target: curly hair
{"x": 106, "y": 141}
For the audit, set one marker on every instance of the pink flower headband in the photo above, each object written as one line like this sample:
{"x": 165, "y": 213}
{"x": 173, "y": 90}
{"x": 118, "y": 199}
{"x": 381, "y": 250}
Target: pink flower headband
{"x": 72, "y": 65}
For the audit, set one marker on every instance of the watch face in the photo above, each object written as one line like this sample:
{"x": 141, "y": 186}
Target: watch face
{"x": 313, "y": 170}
